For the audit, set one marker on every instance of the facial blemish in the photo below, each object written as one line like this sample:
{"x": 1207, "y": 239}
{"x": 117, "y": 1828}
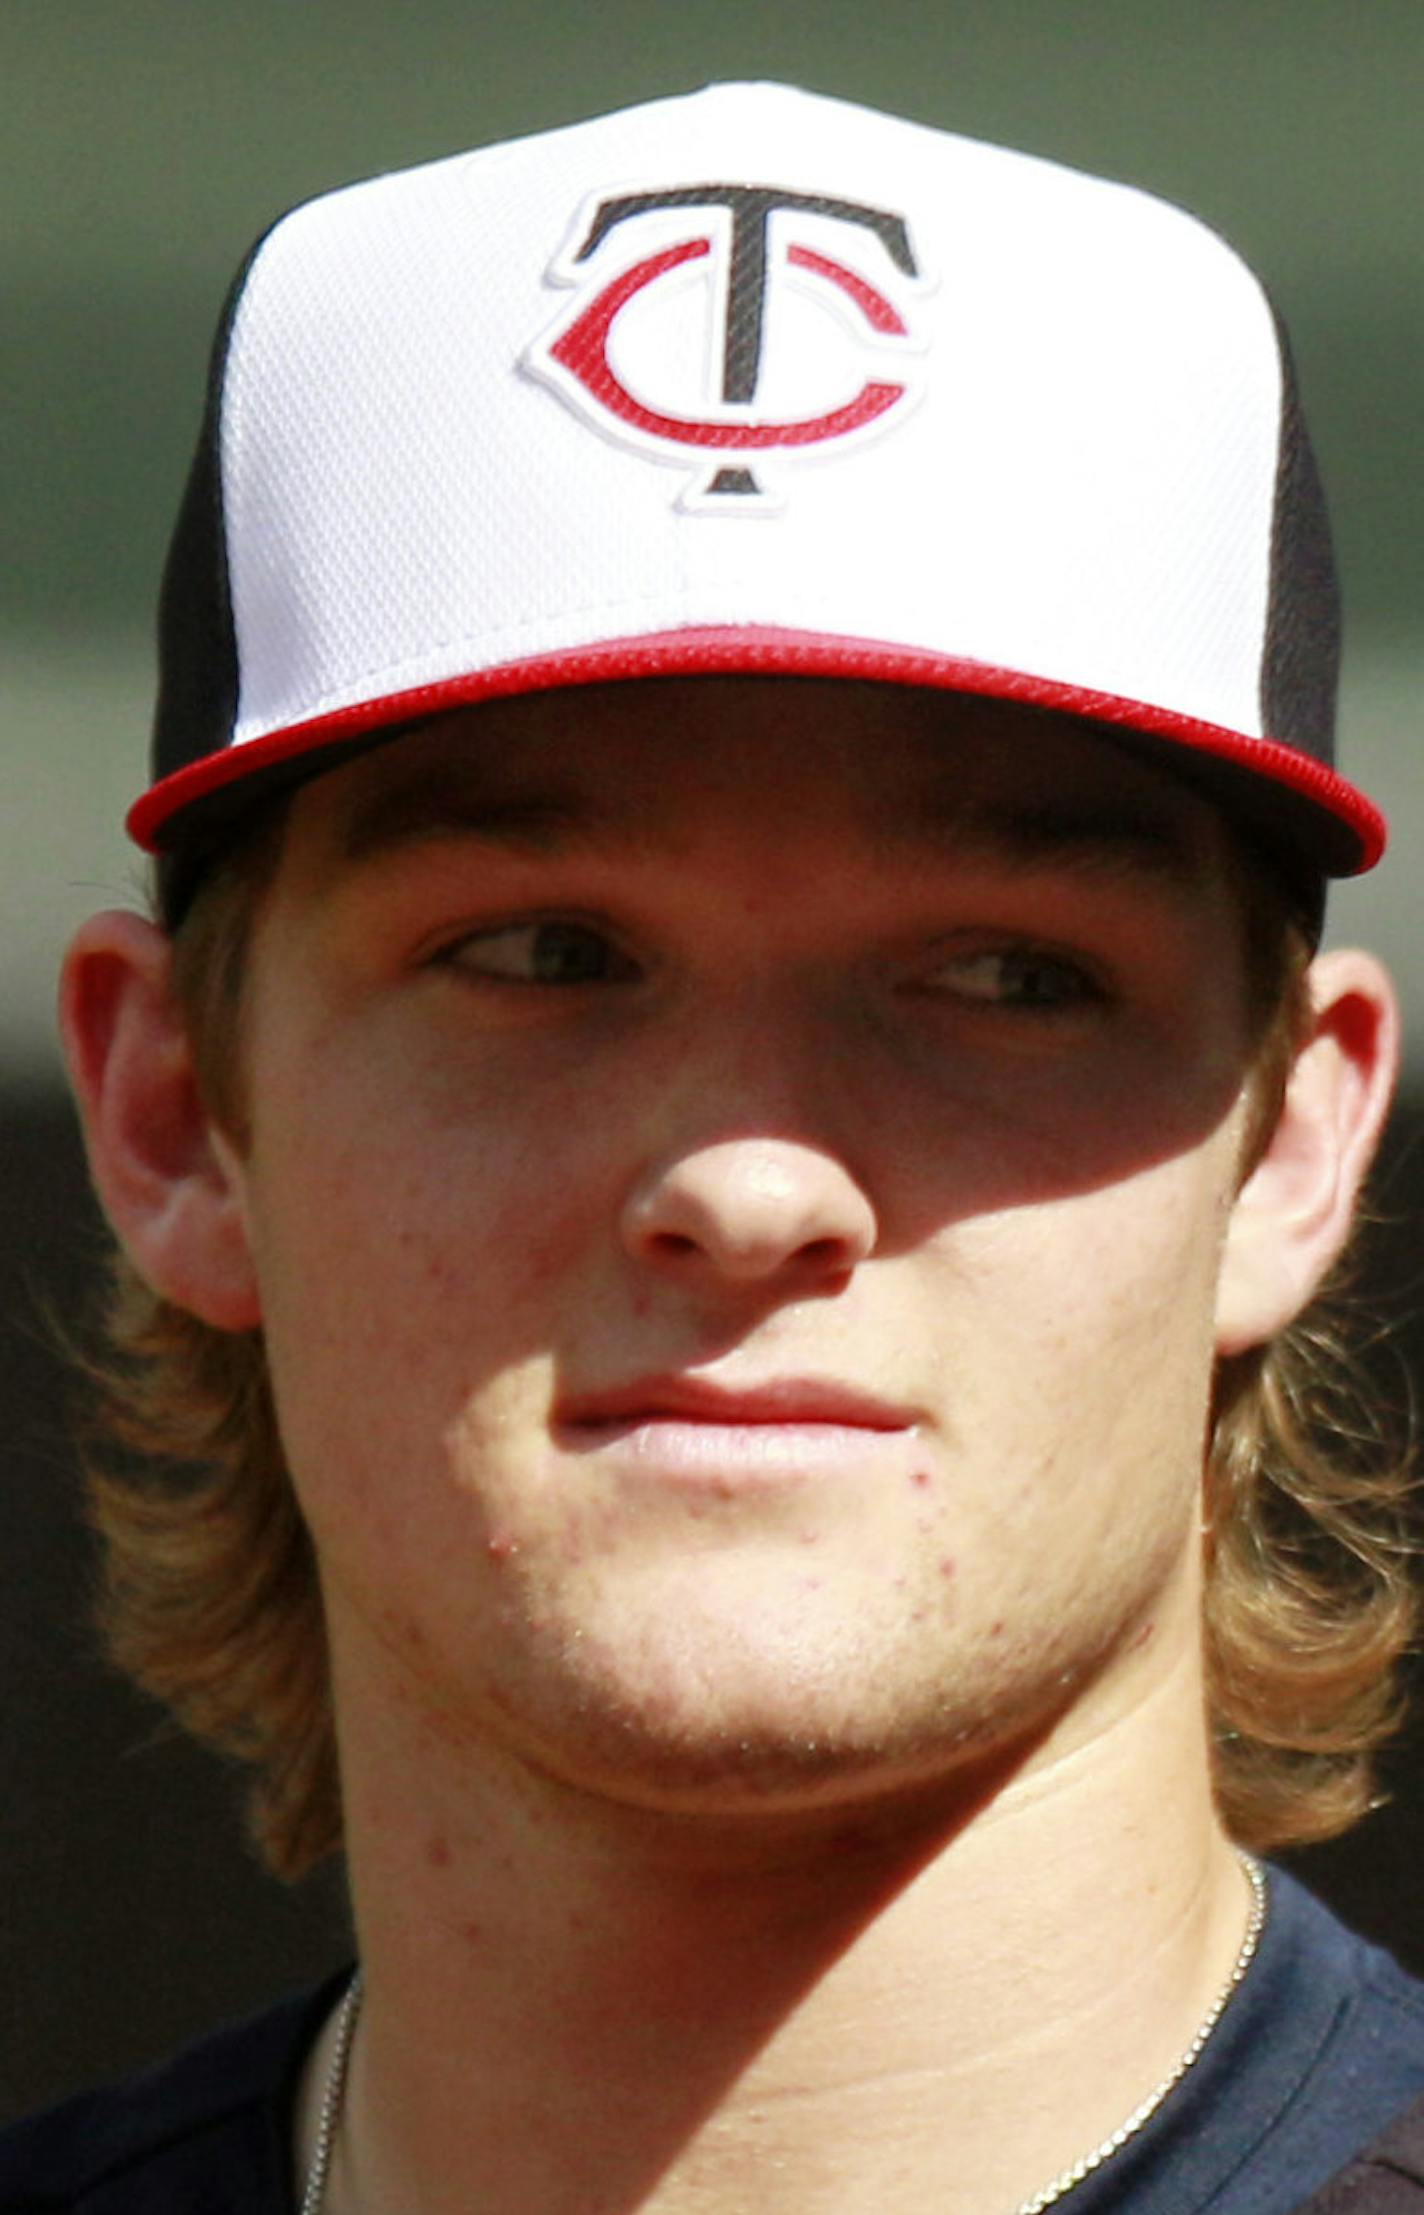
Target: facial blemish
{"x": 437, "y": 1853}
{"x": 500, "y": 1547}
{"x": 920, "y": 1478}
{"x": 946, "y": 1566}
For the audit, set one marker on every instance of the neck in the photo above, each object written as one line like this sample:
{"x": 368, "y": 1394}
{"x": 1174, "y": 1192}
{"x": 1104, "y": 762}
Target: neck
{"x": 955, "y": 1998}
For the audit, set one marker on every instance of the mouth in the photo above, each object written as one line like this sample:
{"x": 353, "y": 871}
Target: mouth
{"x": 693, "y": 1430}
{"x": 772, "y": 1401}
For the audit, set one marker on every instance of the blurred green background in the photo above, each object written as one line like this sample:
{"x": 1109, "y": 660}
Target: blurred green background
{"x": 144, "y": 143}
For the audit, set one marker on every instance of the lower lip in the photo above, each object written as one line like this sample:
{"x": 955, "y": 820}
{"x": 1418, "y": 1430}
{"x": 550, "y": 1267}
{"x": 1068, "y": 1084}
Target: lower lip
{"x": 675, "y": 1450}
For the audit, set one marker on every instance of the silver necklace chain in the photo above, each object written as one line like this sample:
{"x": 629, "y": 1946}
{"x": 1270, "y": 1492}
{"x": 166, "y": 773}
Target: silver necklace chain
{"x": 332, "y": 2098}
{"x": 1146, "y": 2109}
{"x": 334, "y": 2090}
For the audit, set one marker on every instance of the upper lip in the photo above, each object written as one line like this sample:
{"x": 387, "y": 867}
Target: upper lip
{"x": 772, "y": 1400}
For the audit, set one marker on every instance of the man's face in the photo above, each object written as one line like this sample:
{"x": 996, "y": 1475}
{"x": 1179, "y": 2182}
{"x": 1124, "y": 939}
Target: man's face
{"x": 736, "y": 1178}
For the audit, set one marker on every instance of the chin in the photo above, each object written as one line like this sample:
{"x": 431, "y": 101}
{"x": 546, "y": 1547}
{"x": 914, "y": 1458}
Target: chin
{"x": 690, "y": 1713}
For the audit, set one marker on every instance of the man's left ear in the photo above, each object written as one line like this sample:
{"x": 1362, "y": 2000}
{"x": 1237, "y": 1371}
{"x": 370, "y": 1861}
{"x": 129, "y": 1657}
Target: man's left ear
{"x": 1292, "y": 1216}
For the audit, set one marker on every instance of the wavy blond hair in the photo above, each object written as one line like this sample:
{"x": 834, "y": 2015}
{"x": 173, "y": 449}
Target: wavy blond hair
{"x": 210, "y": 1598}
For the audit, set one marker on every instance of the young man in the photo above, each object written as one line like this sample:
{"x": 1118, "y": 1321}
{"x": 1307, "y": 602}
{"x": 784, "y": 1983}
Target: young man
{"x": 719, "y": 1139}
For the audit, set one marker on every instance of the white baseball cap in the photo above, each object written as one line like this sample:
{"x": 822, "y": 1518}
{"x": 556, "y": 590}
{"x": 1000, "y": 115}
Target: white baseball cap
{"x": 751, "y": 380}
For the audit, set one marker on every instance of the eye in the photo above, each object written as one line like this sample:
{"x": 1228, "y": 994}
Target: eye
{"x": 544, "y": 952}
{"x": 1032, "y": 978}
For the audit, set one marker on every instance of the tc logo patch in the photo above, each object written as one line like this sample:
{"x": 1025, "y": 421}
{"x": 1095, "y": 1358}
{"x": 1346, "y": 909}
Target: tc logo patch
{"x": 749, "y": 338}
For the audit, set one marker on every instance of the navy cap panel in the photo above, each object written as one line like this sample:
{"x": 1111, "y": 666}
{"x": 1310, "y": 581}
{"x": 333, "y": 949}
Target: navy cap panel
{"x": 198, "y": 675}
{"x": 1300, "y": 665}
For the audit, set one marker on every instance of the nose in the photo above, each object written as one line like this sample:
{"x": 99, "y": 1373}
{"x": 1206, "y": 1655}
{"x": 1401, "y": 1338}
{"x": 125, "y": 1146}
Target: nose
{"x": 750, "y": 1211}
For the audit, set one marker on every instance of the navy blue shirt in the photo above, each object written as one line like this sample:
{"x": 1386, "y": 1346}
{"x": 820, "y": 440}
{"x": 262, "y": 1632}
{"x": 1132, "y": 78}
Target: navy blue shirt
{"x": 1320, "y": 2046}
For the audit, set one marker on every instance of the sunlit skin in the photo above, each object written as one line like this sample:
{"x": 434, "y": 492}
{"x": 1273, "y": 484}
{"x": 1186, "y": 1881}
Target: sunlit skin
{"x": 742, "y": 1185}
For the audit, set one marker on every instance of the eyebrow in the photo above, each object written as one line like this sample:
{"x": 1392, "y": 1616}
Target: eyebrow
{"x": 439, "y": 806}
{"x": 1100, "y": 840}
{"x": 1112, "y": 839}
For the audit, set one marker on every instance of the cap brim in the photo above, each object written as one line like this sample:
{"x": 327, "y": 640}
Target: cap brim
{"x": 1299, "y": 805}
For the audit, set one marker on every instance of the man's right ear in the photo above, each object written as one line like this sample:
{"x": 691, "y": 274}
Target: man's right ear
{"x": 167, "y": 1178}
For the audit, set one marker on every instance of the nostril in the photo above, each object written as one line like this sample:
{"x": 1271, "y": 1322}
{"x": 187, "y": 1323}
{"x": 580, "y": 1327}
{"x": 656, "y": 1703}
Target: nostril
{"x": 674, "y": 1245}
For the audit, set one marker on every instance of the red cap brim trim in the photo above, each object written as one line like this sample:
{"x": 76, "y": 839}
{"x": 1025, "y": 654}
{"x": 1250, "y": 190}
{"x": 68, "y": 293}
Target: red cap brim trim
{"x": 155, "y": 820}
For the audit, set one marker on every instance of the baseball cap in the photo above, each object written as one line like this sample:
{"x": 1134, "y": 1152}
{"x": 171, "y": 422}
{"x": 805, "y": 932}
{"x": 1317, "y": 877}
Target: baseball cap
{"x": 751, "y": 380}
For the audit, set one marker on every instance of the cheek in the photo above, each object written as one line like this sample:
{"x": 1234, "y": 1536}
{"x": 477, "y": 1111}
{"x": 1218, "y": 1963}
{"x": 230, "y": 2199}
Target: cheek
{"x": 405, "y": 1259}
{"x": 439, "y": 1169}
{"x": 1098, "y": 1316}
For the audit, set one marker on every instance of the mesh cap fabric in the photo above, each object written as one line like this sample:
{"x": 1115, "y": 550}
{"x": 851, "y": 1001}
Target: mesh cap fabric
{"x": 751, "y": 380}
